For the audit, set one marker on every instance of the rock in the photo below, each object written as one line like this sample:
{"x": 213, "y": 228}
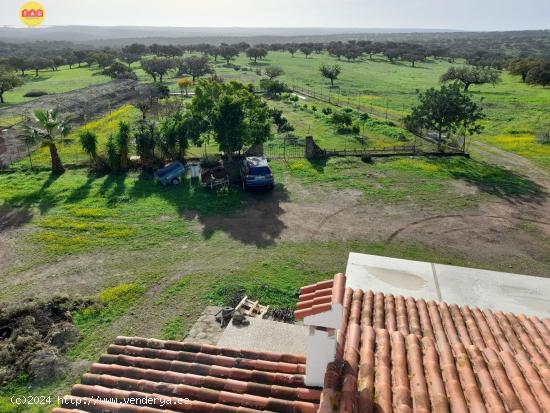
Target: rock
{"x": 63, "y": 336}
{"x": 47, "y": 364}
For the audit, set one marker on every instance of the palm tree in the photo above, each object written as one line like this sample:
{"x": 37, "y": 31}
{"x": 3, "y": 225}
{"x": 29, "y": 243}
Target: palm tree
{"x": 47, "y": 129}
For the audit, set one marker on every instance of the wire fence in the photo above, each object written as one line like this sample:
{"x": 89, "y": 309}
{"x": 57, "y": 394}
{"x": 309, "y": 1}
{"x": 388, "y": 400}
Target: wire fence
{"x": 348, "y": 99}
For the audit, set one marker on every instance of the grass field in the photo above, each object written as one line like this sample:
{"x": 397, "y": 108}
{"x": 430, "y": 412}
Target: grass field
{"x": 62, "y": 80}
{"x": 514, "y": 109}
{"x": 153, "y": 257}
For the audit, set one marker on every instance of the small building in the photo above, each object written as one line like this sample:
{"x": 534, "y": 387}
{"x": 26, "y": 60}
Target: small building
{"x": 367, "y": 351}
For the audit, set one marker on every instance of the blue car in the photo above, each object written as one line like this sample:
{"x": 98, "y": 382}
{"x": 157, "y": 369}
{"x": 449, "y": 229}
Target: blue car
{"x": 256, "y": 174}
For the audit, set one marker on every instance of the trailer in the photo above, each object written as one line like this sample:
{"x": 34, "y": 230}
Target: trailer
{"x": 171, "y": 173}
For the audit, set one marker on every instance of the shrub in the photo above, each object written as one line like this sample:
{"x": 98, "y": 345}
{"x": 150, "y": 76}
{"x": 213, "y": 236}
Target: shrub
{"x": 366, "y": 158}
{"x": 293, "y": 98}
{"x": 326, "y": 111}
{"x": 342, "y": 119}
{"x": 208, "y": 162}
{"x": 35, "y": 94}
{"x": 543, "y": 137}
{"x": 314, "y": 108}
{"x": 348, "y": 110}
{"x": 356, "y": 128}
{"x": 113, "y": 156}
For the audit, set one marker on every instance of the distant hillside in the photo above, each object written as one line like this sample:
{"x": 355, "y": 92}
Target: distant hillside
{"x": 120, "y": 35}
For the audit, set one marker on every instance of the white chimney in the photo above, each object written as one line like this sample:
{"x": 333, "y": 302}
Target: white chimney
{"x": 321, "y": 307}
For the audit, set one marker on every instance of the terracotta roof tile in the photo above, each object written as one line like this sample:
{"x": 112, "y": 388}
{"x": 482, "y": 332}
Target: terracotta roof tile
{"x": 418, "y": 356}
{"x": 320, "y": 297}
{"x": 173, "y": 376}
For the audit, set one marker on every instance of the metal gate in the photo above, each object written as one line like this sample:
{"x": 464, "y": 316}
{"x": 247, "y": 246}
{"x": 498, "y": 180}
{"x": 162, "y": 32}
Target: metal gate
{"x": 284, "y": 150}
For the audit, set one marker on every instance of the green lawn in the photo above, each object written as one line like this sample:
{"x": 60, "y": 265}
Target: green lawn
{"x": 62, "y": 80}
{"x": 514, "y": 109}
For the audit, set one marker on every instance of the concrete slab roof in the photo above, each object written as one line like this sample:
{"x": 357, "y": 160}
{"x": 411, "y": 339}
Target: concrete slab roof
{"x": 494, "y": 290}
{"x": 266, "y": 335}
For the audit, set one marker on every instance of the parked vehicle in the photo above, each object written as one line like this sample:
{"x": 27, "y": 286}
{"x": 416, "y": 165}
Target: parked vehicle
{"x": 256, "y": 174}
{"x": 171, "y": 173}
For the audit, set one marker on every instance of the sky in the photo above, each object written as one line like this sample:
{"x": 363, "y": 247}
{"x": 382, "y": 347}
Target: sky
{"x": 426, "y": 14}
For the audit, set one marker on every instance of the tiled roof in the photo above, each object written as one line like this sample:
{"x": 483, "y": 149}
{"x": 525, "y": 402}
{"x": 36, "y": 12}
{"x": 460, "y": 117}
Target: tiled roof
{"x": 174, "y": 376}
{"x": 399, "y": 354}
{"x": 318, "y": 298}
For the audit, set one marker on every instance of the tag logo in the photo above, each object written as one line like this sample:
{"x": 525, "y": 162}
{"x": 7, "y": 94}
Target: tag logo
{"x": 32, "y": 13}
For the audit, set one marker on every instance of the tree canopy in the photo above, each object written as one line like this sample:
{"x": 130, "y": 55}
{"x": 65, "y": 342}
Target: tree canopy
{"x": 445, "y": 111}
{"x": 232, "y": 113}
{"x": 471, "y": 76}
{"x": 8, "y": 81}
{"x": 330, "y": 72}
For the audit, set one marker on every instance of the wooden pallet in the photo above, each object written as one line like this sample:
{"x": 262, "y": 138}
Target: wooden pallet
{"x": 251, "y": 308}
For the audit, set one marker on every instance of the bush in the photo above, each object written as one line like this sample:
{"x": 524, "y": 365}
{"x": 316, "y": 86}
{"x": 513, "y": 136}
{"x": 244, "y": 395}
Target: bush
{"x": 543, "y": 137}
{"x": 342, "y": 119}
{"x": 35, "y": 94}
{"x": 209, "y": 162}
{"x": 293, "y": 98}
{"x": 314, "y": 108}
{"x": 326, "y": 111}
{"x": 366, "y": 158}
{"x": 348, "y": 110}
{"x": 356, "y": 128}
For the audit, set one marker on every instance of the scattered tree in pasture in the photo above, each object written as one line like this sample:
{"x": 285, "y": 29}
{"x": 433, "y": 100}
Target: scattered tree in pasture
{"x": 306, "y": 50}
{"x": 47, "y": 129}
{"x": 228, "y": 53}
{"x": 157, "y": 67}
{"x": 471, "y": 76}
{"x": 119, "y": 70}
{"x": 539, "y": 74}
{"x": 351, "y": 51}
{"x": 330, "y": 72}
{"x": 273, "y": 72}
{"x": 8, "y": 80}
{"x": 521, "y": 67}
{"x": 19, "y": 63}
{"x": 255, "y": 53}
{"x": 133, "y": 52}
{"x": 80, "y": 56}
{"x": 70, "y": 58}
{"x": 445, "y": 111}
{"x": 195, "y": 66}
{"x": 39, "y": 63}
{"x": 292, "y": 50}
{"x": 103, "y": 59}
{"x": 336, "y": 49}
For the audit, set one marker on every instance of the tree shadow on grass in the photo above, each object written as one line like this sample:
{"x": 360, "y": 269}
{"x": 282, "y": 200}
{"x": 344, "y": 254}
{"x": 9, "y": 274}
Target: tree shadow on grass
{"x": 13, "y": 217}
{"x": 42, "y": 199}
{"x": 251, "y": 218}
{"x": 497, "y": 181}
{"x": 318, "y": 164}
{"x": 114, "y": 187}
